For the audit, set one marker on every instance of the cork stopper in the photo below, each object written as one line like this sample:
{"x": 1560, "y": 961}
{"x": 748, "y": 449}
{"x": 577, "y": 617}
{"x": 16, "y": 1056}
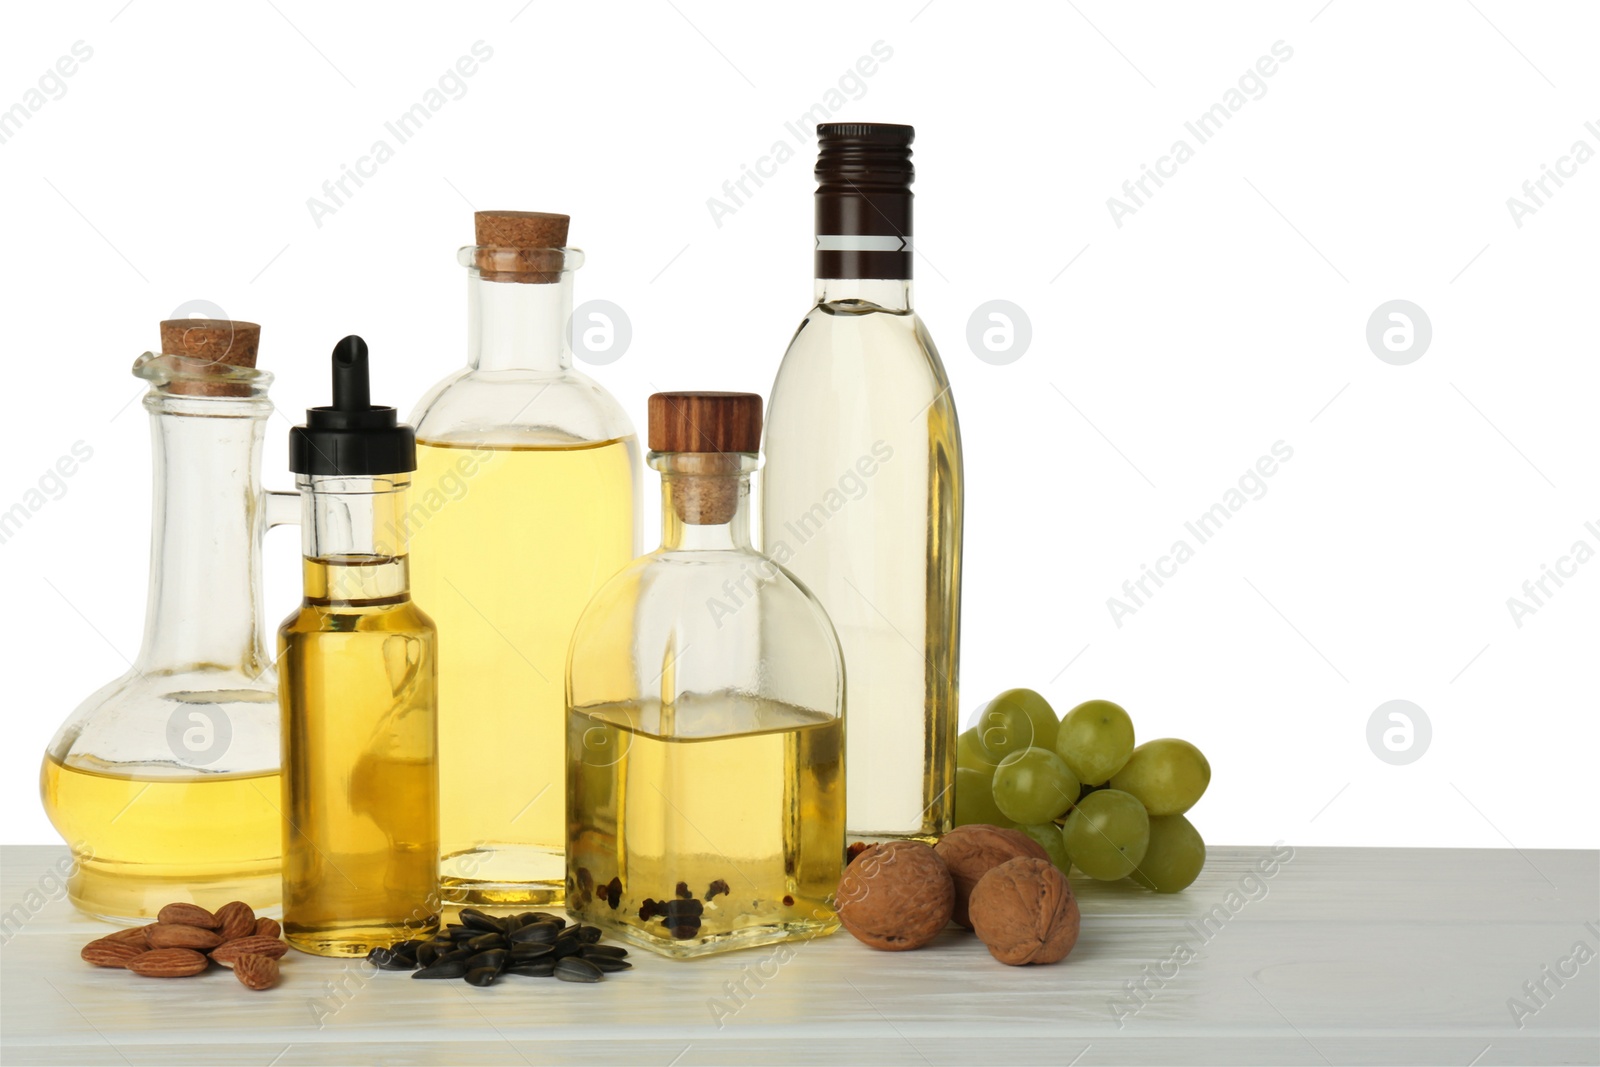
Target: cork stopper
{"x": 520, "y": 246}
{"x": 711, "y": 432}
{"x": 213, "y": 345}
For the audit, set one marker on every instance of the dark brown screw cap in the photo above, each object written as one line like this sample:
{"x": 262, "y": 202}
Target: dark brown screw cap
{"x": 705, "y": 422}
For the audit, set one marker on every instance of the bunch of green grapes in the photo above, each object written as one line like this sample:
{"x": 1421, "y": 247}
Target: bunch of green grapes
{"x": 1082, "y": 789}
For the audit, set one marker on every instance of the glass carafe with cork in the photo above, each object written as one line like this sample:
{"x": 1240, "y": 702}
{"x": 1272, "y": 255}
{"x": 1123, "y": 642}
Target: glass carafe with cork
{"x": 165, "y": 781}
{"x": 525, "y": 502}
{"x": 705, "y": 722}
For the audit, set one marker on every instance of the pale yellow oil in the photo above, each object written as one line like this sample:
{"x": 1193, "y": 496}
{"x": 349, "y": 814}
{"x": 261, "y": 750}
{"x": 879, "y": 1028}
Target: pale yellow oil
{"x": 509, "y": 544}
{"x": 141, "y": 843}
{"x": 748, "y": 811}
{"x": 357, "y": 686}
{"x": 862, "y": 501}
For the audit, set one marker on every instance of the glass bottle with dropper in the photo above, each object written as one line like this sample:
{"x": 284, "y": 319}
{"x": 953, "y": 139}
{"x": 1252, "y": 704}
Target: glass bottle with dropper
{"x": 358, "y": 688}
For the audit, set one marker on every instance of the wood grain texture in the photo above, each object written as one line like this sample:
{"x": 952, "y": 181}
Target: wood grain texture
{"x": 1341, "y": 956}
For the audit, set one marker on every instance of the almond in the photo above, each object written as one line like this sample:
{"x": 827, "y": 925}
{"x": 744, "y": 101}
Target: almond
{"x": 177, "y": 935}
{"x": 235, "y": 919}
{"x": 228, "y": 954}
{"x": 138, "y": 936}
{"x": 266, "y": 927}
{"x": 256, "y": 971}
{"x": 167, "y": 963}
{"x": 187, "y": 915}
{"x": 108, "y": 953}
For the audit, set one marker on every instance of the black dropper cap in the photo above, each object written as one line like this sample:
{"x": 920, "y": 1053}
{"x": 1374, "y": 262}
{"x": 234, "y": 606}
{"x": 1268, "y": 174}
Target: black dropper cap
{"x": 351, "y": 438}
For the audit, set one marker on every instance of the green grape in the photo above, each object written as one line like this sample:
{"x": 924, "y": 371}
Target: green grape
{"x": 1095, "y": 739}
{"x": 975, "y": 799}
{"x": 1175, "y": 855}
{"x": 1013, "y": 721}
{"x": 1048, "y": 835}
{"x": 1107, "y": 834}
{"x": 1034, "y": 786}
{"x": 970, "y": 753}
{"x": 1166, "y": 775}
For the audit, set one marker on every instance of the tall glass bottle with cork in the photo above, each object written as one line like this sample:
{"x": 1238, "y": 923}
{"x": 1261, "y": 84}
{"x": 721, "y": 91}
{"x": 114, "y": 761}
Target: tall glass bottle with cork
{"x": 525, "y": 503}
{"x": 705, "y": 747}
{"x": 164, "y": 782}
{"x": 863, "y": 485}
{"x": 358, "y": 688}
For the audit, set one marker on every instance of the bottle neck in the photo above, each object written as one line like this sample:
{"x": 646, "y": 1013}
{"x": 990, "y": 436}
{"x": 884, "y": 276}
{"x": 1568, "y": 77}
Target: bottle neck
{"x": 519, "y": 326}
{"x": 207, "y": 517}
{"x": 863, "y": 227}
{"x": 705, "y": 500}
{"x": 355, "y": 538}
{"x": 885, "y": 294}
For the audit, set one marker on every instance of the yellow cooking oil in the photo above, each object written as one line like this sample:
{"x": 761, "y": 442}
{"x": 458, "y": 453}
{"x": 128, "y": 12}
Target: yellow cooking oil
{"x": 508, "y": 544}
{"x": 357, "y": 689}
{"x": 142, "y": 842}
{"x": 689, "y": 843}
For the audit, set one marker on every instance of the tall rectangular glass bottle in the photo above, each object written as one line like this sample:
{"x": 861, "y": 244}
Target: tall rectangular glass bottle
{"x": 525, "y": 503}
{"x": 862, "y": 498}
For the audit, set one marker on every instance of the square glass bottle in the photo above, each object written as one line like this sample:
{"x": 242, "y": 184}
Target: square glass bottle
{"x": 705, "y": 721}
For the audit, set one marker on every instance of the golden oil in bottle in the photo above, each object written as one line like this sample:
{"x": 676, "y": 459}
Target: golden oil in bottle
{"x": 360, "y": 848}
{"x": 140, "y": 843}
{"x": 727, "y": 837}
{"x": 510, "y": 542}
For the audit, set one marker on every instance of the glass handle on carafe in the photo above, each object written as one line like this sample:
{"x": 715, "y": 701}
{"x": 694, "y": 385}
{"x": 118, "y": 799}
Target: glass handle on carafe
{"x": 282, "y": 506}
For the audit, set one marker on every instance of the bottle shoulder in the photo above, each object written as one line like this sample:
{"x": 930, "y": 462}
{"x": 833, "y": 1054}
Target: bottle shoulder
{"x": 520, "y": 408}
{"x": 861, "y": 348}
{"x": 730, "y": 614}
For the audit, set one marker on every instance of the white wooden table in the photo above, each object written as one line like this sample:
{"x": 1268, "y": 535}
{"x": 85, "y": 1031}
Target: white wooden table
{"x": 1341, "y": 956}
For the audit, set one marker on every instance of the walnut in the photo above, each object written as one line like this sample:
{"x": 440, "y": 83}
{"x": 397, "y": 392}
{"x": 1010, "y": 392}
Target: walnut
{"x": 972, "y": 851}
{"x": 1025, "y": 912}
{"x": 896, "y": 896}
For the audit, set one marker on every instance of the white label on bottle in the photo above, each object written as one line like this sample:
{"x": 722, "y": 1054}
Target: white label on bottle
{"x": 860, "y": 242}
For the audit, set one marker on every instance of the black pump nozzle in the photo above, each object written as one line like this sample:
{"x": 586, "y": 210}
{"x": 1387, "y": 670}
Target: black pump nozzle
{"x": 352, "y": 390}
{"x": 351, "y": 438}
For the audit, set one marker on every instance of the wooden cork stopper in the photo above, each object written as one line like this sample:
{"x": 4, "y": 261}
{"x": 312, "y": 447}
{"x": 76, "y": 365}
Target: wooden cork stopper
{"x": 213, "y": 344}
{"x": 711, "y": 430}
{"x": 520, "y": 246}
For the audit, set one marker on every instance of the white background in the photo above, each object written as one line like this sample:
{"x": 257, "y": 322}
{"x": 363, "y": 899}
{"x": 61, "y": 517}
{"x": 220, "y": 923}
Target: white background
{"x": 1228, "y": 313}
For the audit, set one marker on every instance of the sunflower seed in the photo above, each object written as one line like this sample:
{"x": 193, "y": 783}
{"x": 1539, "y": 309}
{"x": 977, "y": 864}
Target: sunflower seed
{"x": 443, "y": 969}
{"x": 573, "y": 969}
{"x": 616, "y": 952}
{"x": 481, "y": 921}
{"x": 533, "y": 968}
{"x": 524, "y": 953}
{"x": 495, "y": 958}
